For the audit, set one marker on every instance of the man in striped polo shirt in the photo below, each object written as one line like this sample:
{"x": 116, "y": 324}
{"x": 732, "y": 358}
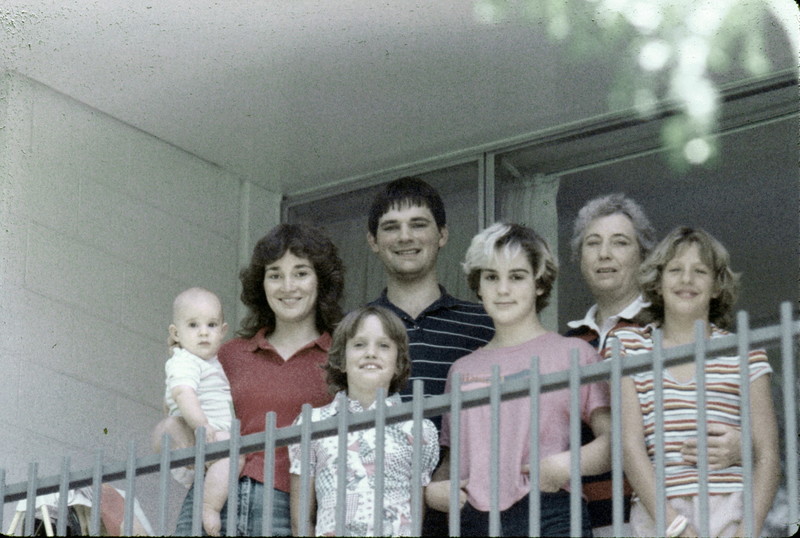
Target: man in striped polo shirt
{"x": 406, "y": 228}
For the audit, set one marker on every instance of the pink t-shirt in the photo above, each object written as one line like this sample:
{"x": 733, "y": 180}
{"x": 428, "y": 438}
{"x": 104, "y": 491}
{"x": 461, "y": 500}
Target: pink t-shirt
{"x": 475, "y": 369}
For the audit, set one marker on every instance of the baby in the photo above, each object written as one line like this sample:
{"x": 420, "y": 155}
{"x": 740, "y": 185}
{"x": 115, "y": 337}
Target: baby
{"x": 369, "y": 351}
{"x": 198, "y": 393}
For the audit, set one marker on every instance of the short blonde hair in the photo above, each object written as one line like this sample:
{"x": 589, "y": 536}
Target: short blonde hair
{"x": 336, "y": 367}
{"x": 512, "y": 239}
{"x": 712, "y": 252}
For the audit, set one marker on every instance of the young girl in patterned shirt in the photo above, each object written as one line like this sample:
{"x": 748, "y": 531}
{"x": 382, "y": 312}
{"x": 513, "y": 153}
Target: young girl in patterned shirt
{"x": 369, "y": 351}
{"x": 688, "y": 278}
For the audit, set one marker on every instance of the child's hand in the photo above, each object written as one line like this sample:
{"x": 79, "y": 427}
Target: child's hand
{"x": 554, "y": 472}
{"x": 437, "y": 495}
{"x": 724, "y": 447}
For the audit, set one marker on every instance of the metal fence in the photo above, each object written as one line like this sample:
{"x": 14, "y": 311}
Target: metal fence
{"x": 782, "y": 337}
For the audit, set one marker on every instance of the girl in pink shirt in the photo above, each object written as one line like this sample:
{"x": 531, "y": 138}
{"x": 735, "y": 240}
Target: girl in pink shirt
{"x": 512, "y": 270}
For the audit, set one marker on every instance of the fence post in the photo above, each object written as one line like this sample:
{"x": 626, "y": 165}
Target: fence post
{"x": 790, "y": 415}
{"x": 130, "y": 492}
{"x": 658, "y": 400}
{"x": 269, "y": 474}
{"x": 63, "y": 489}
{"x": 305, "y": 472}
{"x": 416, "y": 460}
{"x": 380, "y": 458}
{"x": 617, "y": 476}
{"x": 343, "y": 421}
{"x": 575, "y": 512}
{"x": 454, "y": 515}
{"x": 232, "y": 510}
{"x": 534, "y": 498}
{"x": 494, "y": 458}
{"x": 702, "y": 425}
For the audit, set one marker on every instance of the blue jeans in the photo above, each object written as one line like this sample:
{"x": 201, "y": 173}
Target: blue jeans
{"x": 554, "y": 520}
{"x": 251, "y": 505}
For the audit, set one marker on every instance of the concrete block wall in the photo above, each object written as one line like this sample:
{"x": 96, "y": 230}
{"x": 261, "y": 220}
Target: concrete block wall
{"x": 101, "y": 226}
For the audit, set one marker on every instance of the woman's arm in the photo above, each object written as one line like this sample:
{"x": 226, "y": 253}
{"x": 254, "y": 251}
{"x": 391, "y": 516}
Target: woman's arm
{"x": 295, "y": 508}
{"x": 638, "y": 468}
{"x": 766, "y": 467}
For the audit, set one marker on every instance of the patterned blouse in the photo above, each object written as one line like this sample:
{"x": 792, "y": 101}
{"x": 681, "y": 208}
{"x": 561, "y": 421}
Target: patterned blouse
{"x": 360, "y": 497}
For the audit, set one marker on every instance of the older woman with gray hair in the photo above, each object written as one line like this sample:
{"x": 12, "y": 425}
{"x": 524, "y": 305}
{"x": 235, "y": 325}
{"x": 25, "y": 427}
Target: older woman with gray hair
{"x": 612, "y": 236}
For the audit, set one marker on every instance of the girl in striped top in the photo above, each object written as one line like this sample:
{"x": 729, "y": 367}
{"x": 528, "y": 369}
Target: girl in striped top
{"x": 688, "y": 278}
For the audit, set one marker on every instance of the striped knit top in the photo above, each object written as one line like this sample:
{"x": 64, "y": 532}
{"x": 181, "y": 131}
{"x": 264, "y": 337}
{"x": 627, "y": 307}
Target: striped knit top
{"x": 723, "y": 404}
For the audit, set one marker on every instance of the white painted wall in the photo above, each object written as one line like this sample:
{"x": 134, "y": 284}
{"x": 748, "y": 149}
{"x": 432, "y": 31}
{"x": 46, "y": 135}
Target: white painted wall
{"x": 101, "y": 225}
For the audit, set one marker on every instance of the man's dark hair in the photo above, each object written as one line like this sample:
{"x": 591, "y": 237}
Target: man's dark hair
{"x": 406, "y": 191}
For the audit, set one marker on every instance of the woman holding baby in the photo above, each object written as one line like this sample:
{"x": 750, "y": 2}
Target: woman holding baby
{"x": 292, "y": 288}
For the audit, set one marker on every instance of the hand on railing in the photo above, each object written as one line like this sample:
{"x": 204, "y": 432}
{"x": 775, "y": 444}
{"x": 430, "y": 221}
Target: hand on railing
{"x": 437, "y": 495}
{"x": 724, "y": 447}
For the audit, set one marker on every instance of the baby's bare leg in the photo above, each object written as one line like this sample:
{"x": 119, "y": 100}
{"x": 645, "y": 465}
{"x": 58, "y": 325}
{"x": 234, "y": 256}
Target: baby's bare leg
{"x": 216, "y": 490}
{"x": 180, "y": 433}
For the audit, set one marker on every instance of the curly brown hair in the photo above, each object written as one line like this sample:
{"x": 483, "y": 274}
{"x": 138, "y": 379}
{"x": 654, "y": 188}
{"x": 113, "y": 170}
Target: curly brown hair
{"x": 336, "y": 366}
{"x": 304, "y": 242}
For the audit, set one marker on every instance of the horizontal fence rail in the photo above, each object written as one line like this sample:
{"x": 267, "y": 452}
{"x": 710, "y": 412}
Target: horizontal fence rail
{"x": 782, "y": 336}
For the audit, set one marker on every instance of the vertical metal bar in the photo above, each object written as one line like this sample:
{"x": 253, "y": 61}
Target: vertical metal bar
{"x": 617, "y": 476}
{"x": 269, "y": 473}
{"x": 743, "y": 329}
{"x": 130, "y": 491}
{"x": 416, "y": 461}
{"x": 63, "y": 494}
{"x": 343, "y": 421}
{"x": 575, "y": 512}
{"x": 163, "y": 482}
{"x": 702, "y": 425}
{"x": 380, "y": 453}
{"x": 232, "y": 512}
{"x": 494, "y": 458}
{"x": 199, "y": 485}
{"x": 30, "y": 503}
{"x": 2, "y": 496}
{"x": 660, "y": 434}
{"x": 790, "y": 413}
{"x": 97, "y": 488}
{"x": 454, "y": 516}
{"x": 534, "y": 497}
{"x": 305, "y": 472}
